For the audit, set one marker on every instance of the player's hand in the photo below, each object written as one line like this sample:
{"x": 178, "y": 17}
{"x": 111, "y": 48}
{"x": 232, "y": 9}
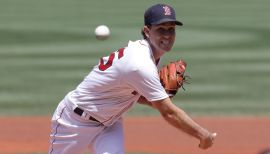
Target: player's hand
{"x": 208, "y": 141}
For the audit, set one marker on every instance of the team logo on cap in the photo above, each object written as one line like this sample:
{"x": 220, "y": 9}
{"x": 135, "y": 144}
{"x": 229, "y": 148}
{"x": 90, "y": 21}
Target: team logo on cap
{"x": 167, "y": 11}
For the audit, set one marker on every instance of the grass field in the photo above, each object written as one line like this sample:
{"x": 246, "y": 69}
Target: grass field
{"x": 47, "y": 47}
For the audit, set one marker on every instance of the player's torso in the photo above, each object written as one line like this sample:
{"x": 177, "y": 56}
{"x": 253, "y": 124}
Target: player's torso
{"x": 108, "y": 79}
{"x": 104, "y": 91}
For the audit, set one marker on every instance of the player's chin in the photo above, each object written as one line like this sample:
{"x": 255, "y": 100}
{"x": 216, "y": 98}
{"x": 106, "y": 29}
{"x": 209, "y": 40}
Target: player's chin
{"x": 167, "y": 48}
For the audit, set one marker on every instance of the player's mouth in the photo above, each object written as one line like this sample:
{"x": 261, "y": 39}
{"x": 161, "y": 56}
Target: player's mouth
{"x": 166, "y": 45}
{"x": 165, "y": 42}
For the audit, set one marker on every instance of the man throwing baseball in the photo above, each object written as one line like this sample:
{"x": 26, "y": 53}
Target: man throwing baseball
{"x": 90, "y": 116}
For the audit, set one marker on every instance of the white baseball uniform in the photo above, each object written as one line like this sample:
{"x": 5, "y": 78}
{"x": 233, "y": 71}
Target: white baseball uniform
{"x": 90, "y": 115}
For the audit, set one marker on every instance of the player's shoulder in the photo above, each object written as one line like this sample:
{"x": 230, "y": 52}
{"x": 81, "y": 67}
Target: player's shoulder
{"x": 139, "y": 44}
{"x": 138, "y": 49}
{"x": 137, "y": 54}
{"x": 142, "y": 53}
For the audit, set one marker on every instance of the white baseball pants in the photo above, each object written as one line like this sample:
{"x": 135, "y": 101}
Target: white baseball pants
{"x": 71, "y": 134}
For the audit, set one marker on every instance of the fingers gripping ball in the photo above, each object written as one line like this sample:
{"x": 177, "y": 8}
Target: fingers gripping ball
{"x": 172, "y": 76}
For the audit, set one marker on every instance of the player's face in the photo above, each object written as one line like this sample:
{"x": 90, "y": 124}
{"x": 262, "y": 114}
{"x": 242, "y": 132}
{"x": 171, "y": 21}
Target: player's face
{"x": 162, "y": 36}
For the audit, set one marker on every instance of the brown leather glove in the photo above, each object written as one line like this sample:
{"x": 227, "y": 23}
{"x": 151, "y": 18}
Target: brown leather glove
{"x": 172, "y": 76}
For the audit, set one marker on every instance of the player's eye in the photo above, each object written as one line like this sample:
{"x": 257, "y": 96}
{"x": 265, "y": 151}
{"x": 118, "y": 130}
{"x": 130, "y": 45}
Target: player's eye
{"x": 166, "y": 31}
{"x": 171, "y": 30}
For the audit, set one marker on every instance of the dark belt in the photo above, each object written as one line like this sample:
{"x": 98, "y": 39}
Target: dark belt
{"x": 80, "y": 111}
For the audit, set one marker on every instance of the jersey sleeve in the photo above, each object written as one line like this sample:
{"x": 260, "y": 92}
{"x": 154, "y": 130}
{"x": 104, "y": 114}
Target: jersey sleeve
{"x": 146, "y": 82}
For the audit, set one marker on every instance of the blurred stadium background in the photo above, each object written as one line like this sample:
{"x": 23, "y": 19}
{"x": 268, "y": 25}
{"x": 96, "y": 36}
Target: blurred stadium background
{"x": 47, "y": 47}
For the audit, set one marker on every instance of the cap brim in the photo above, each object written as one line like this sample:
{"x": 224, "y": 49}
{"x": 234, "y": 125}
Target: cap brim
{"x": 168, "y": 20}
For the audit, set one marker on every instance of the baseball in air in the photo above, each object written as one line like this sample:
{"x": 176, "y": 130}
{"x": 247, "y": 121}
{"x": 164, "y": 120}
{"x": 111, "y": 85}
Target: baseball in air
{"x": 102, "y": 32}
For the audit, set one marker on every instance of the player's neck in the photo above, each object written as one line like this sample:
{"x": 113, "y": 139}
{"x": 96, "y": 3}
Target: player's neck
{"x": 157, "y": 54}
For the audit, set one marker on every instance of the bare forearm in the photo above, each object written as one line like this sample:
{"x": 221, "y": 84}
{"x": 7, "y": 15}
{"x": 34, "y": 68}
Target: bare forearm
{"x": 181, "y": 120}
{"x": 178, "y": 118}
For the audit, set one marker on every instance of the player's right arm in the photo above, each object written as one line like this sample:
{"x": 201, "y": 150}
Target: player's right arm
{"x": 179, "y": 119}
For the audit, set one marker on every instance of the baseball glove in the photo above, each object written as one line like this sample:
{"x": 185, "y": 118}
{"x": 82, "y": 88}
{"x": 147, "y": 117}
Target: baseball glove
{"x": 172, "y": 76}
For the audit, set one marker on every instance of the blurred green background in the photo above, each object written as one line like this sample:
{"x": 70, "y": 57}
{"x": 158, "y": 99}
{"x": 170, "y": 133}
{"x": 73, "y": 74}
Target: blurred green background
{"x": 47, "y": 47}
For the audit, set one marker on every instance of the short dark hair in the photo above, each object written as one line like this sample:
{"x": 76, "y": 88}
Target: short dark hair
{"x": 143, "y": 34}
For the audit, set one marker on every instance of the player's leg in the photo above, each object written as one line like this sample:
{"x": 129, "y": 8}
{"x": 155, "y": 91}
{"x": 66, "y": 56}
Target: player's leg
{"x": 63, "y": 140}
{"x": 111, "y": 140}
{"x": 70, "y": 134}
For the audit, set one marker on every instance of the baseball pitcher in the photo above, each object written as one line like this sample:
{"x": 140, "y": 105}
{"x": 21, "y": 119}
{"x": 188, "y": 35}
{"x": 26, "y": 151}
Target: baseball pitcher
{"x": 90, "y": 116}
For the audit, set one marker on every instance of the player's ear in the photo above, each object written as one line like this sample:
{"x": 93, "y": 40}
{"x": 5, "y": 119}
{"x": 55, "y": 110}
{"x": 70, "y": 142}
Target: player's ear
{"x": 146, "y": 30}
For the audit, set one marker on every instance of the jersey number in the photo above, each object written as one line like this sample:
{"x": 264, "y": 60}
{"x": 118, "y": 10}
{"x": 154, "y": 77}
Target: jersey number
{"x": 103, "y": 66}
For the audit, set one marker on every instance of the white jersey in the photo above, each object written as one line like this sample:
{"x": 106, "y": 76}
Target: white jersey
{"x": 117, "y": 82}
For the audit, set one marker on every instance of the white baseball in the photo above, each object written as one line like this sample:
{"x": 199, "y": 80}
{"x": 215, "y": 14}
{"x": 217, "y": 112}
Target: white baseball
{"x": 102, "y": 32}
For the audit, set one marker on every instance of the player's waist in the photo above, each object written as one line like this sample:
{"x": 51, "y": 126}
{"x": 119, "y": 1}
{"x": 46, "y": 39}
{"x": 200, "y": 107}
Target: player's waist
{"x": 102, "y": 113}
{"x": 80, "y": 111}
{"x": 84, "y": 114}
